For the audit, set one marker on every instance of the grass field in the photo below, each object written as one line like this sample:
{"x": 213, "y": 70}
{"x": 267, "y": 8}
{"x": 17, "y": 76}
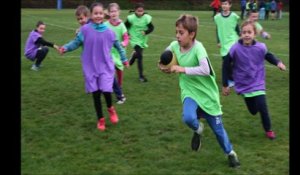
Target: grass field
{"x": 58, "y": 121}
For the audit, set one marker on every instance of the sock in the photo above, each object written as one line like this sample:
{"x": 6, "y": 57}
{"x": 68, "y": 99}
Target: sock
{"x": 200, "y": 128}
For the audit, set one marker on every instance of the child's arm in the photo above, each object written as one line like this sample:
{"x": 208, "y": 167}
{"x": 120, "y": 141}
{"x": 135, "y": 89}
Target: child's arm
{"x": 218, "y": 39}
{"x": 202, "y": 69}
{"x": 72, "y": 45}
{"x": 273, "y": 60}
{"x": 150, "y": 28}
{"x": 41, "y": 41}
{"x": 121, "y": 52}
{"x": 237, "y": 29}
{"x": 127, "y": 24}
{"x": 125, "y": 39}
{"x": 226, "y": 67}
{"x": 265, "y": 35}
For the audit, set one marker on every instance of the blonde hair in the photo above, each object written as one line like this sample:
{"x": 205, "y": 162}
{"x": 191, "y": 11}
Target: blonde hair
{"x": 188, "y": 22}
{"x": 247, "y": 22}
{"x": 113, "y": 5}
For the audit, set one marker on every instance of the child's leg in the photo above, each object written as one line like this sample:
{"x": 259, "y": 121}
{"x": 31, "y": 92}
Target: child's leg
{"x": 189, "y": 115}
{"x": 97, "y": 104}
{"x": 40, "y": 55}
{"x": 251, "y": 105}
{"x": 139, "y": 56}
{"x": 120, "y": 77}
{"x": 258, "y": 104}
{"x": 263, "y": 110}
{"x": 108, "y": 99}
{"x": 111, "y": 110}
{"x": 216, "y": 124}
{"x": 117, "y": 89}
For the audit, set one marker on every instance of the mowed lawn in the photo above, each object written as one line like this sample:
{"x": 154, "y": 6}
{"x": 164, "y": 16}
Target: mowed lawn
{"x": 58, "y": 120}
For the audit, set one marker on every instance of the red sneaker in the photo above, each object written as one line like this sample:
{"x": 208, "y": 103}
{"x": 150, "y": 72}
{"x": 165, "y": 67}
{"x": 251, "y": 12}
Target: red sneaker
{"x": 101, "y": 124}
{"x": 270, "y": 135}
{"x": 113, "y": 115}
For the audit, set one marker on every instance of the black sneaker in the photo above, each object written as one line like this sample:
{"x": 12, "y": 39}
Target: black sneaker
{"x": 143, "y": 79}
{"x": 132, "y": 59}
{"x": 233, "y": 160}
{"x": 196, "y": 142}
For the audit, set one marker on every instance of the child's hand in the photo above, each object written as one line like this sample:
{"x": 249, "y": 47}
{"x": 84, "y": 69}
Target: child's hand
{"x": 126, "y": 64}
{"x": 219, "y": 45}
{"x": 56, "y": 47}
{"x": 226, "y": 90}
{"x": 177, "y": 69}
{"x": 163, "y": 69}
{"x": 281, "y": 66}
{"x": 61, "y": 50}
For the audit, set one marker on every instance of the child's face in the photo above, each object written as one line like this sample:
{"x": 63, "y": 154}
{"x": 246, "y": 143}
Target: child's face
{"x": 41, "y": 28}
{"x": 114, "y": 12}
{"x": 248, "y": 34}
{"x": 97, "y": 15}
{"x": 184, "y": 38}
{"x": 139, "y": 11}
{"x": 253, "y": 17}
{"x": 82, "y": 19}
{"x": 226, "y": 6}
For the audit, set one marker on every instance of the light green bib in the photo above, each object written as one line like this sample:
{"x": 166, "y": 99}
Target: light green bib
{"x": 202, "y": 89}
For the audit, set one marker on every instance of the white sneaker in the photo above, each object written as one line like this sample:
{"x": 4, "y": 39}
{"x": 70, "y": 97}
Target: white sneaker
{"x": 35, "y": 68}
{"x": 122, "y": 100}
{"x": 230, "y": 83}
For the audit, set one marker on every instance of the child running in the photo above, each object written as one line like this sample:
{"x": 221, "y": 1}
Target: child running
{"x": 227, "y": 29}
{"x": 36, "y": 46}
{"x": 253, "y": 17}
{"x": 97, "y": 64}
{"x": 246, "y": 59}
{"x": 139, "y": 25}
{"x": 116, "y": 24}
{"x": 199, "y": 91}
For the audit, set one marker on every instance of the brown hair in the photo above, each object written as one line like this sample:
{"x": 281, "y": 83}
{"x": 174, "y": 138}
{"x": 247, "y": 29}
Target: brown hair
{"x": 39, "y": 23}
{"x": 94, "y": 5}
{"x": 138, "y": 5}
{"x": 82, "y": 9}
{"x": 189, "y": 22}
{"x": 229, "y": 1}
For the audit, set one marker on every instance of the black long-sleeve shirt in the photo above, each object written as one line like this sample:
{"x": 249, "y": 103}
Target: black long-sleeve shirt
{"x": 43, "y": 42}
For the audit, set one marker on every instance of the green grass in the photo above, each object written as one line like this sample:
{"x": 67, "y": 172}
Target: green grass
{"x": 59, "y": 135}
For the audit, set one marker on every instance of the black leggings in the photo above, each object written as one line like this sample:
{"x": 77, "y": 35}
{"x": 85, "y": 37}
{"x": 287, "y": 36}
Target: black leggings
{"x": 139, "y": 55}
{"x": 41, "y": 54}
{"x": 97, "y": 102}
{"x": 258, "y": 104}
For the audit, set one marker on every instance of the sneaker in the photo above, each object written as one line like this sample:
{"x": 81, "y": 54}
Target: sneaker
{"x": 132, "y": 59}
{"x": 270, "y": 135}
{"x": 35, "y": 68}
{"x": 143, "y": 79}
{"x": 196, "y": 142}
{"x": 113, "y": 115}
{"x": 101, "y": 124}
{"x": 230, "y": 83}
{"x": 233, "y": 160}
{"x": 121, "y": 100}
